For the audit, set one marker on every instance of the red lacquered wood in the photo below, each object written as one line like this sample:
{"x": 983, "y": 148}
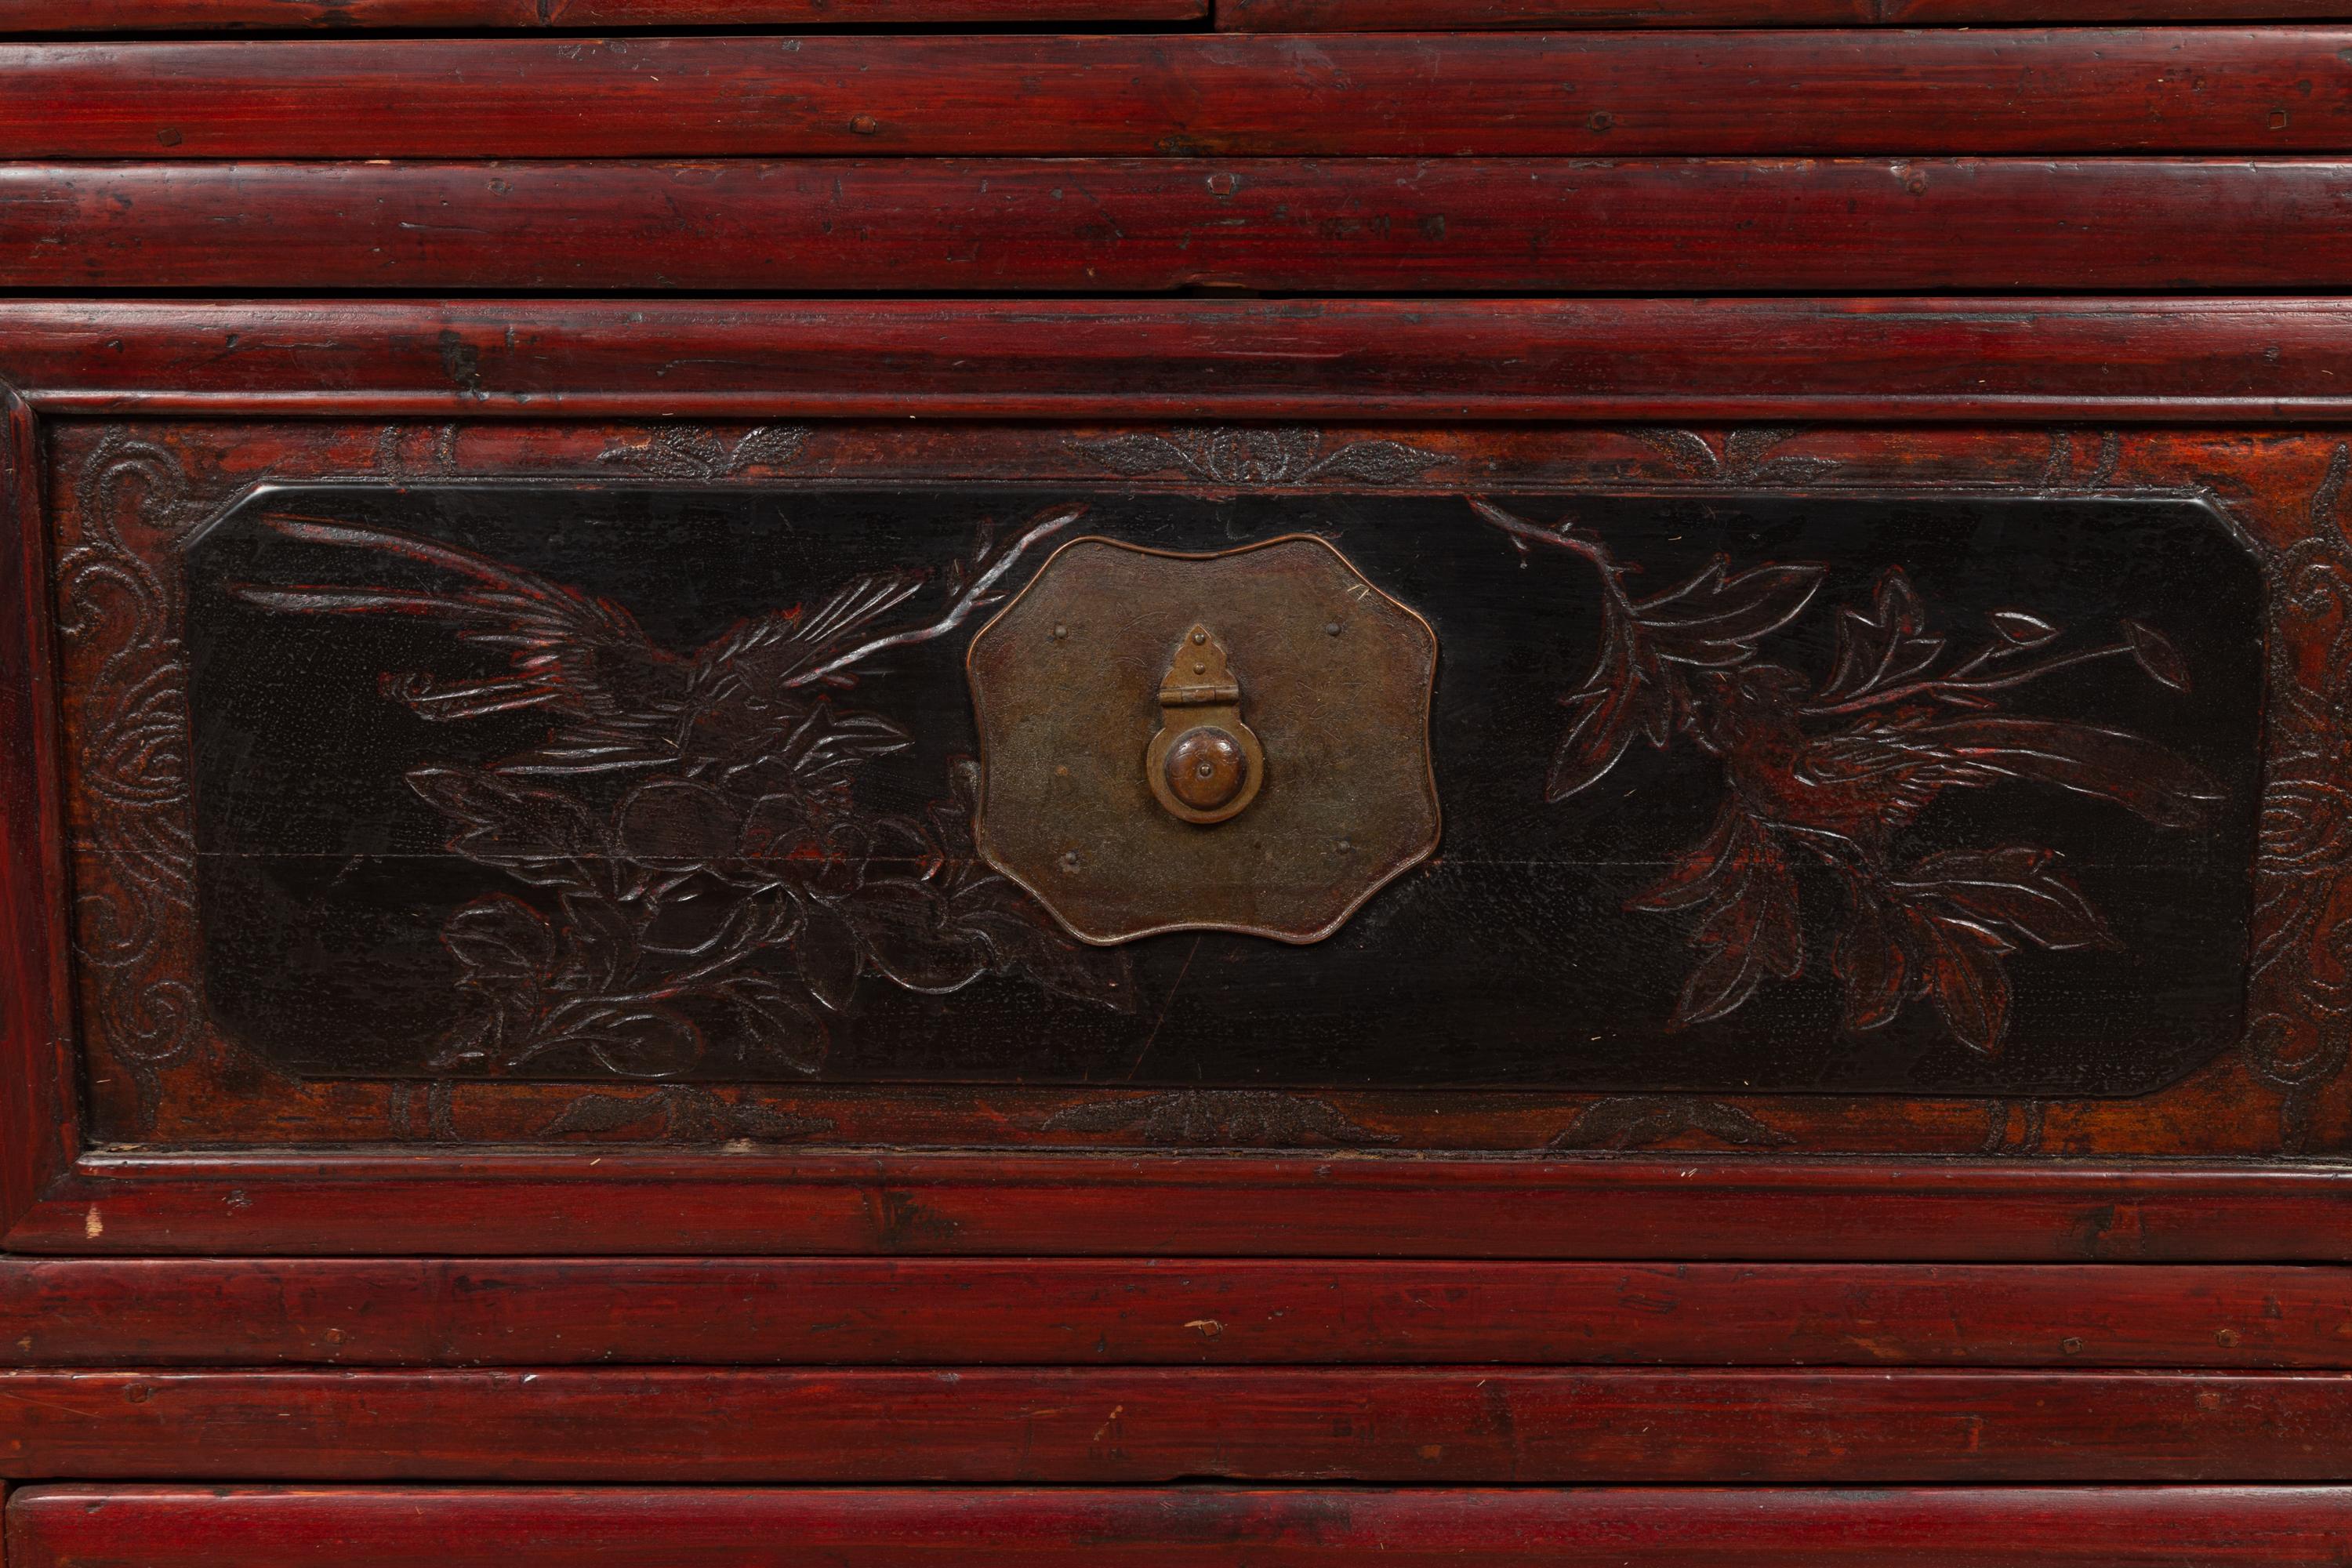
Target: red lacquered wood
{"x": 1693, "y": 1207}
{"x": 1131, "y": 1426}
{"x": 92, "y": 16}
{"x": 576, "y": 1312}
{"x": 1442, "y": 16}
{"x": 2176, "y": 361}
{"x": 1139, "y": 227}
{"x": 36, "y": 1134}
{"x": 1588, "y": 95}
{"x": 1192, "y": 1527}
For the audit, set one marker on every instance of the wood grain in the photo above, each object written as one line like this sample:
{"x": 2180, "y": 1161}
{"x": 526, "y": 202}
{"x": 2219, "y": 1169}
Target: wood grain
{"x": 1460, "y": 225}
{"x": 37, "y": 1096}
{"x": 1869, "y": 92}
{"x": 102, "y": 17}
{"x": 1693, "y": 1207}
{"x": 1443, "y": 16}
{"x": 1192, "y": 1527}
{"x": 575, "y": 1311}
{"x": 1135, "y": 1426}
{"x": 2278, "y": 360}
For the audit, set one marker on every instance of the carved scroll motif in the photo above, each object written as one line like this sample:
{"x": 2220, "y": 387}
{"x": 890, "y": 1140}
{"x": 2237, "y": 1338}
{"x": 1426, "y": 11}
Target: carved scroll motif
{"x": 2303, "y": 868}
{"x": 120, "y": 618}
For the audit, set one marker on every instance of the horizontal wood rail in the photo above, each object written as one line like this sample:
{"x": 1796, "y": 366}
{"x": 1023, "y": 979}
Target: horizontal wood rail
{"x": 98, "y": 16}
{"x": 1690, "y": 1208}
{"x": 1192, "y": 1527}
{"x": 1447, "y": 225}
{"x": 2178, "y": 361}
{"x": 1048, "y": 1311}
{"x": 1440, "y": 16}
{"x": 1154, "y": 1425}
{"x": 1873, "y": 92}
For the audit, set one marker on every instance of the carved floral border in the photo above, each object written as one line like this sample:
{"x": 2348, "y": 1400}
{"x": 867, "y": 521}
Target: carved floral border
{"x": 129, "y": 495}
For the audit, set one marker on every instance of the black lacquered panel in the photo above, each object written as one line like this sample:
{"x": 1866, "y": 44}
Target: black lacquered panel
{"x": 1903, "y": 794}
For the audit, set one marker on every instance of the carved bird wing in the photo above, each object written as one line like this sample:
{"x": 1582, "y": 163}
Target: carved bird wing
{"x": 578, "y": 657}
{"x": 1908, "y": 757}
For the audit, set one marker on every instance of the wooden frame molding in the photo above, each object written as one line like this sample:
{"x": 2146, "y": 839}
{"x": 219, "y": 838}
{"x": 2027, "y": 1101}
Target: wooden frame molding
{"x": 2219, "y": 361}
{"x": 1460, "y": 225}
{"x": 2034, "y": 92}
{"x": 575, "y": 1311}
{"x": 1193, "y": 1527}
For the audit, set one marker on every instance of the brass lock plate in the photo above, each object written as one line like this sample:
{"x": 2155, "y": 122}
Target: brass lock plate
{"x": 1234, "y": 742}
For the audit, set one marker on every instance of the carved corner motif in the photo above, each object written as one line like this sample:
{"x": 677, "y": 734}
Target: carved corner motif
{"x": 120, "y": 618}
{"x": 2303, "y": 861}
{"x": 1646, "y": 1120}
{"x": 1219, "y": 1118}
{"x": 1249, "y": 455}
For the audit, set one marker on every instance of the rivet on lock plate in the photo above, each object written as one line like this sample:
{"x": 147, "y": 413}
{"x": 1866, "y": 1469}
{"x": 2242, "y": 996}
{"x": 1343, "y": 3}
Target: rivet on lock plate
{"x": 1232, "y": 741}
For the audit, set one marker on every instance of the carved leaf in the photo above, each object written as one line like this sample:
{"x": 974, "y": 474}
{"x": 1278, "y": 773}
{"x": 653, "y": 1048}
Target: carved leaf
{"x": 1749, "y": 929}
{"x": 2018, "y": 887}
{"x": 1747, "y": 456}
{"x": 828, "y": 954}
{"x": 1885, "y": 647}
{"x": 1714, "y": 619}
{"x": 1871, "y": 966}
{"x": 775, "y": 1028}
{"x": 1626, "y": 697}
{"x": 637, "y": 1041}
{"x": 1686, "y": 450}
{"x": 1137, "y": 453}
{"x": 2155, "y": 654}
{"x": 767, "y": 447}
{"x": 2024, "y": 631}
{"x": 1377, "y": 462}
{"x": 1966, "y": 981}
{"x": 538, "y": 835}
{"x": 500, "y": 940}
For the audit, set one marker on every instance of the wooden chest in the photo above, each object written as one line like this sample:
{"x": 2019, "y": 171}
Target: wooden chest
{"x": 1108, "y": 782}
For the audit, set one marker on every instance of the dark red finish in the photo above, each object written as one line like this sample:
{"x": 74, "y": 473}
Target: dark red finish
{"x": 1011, "y": 1425}
{"x": 1444, "y": 16}
{"x": 1585, "y": 95}
{"x": 2175, "y": 361}
{"x": 1193, "y": 1527}
{"x": 1046, "y": 1311}
{"x": 1695, "y": 1207}
{"x": 1143, "y": 227}
{"x": 88, "y": 16}
{"x": 36, "y": 1067}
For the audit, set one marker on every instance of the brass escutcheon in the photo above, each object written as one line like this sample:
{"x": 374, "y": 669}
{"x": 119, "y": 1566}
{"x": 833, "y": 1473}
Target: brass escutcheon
{"x": 1279, "y": 824}
{"x": 1203, "y": 763}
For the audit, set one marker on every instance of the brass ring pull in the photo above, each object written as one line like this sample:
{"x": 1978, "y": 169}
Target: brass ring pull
{"x": 1203, "y": 765}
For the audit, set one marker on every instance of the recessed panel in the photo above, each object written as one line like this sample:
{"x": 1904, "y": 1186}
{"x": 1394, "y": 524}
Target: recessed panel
{"x": 1865, "y": 794}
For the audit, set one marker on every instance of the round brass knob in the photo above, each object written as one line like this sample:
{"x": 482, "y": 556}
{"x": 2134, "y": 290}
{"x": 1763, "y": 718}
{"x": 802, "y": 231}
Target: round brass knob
{"x": 1205, "y": 767}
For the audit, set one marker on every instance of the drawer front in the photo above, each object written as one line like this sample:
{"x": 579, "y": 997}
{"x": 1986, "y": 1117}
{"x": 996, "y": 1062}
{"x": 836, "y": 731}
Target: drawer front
{"x": 783, "y": 788}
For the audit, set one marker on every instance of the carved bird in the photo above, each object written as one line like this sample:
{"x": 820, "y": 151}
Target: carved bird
{"x": 1840, "y": 767}
{"x": 621, "y": 702}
